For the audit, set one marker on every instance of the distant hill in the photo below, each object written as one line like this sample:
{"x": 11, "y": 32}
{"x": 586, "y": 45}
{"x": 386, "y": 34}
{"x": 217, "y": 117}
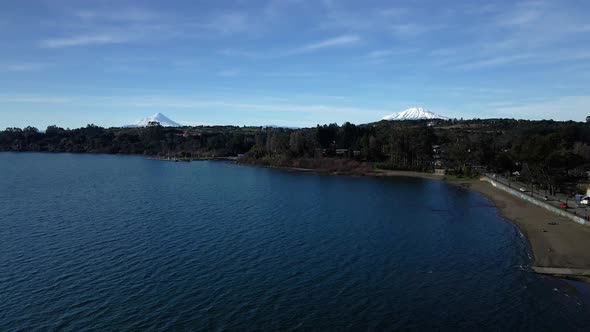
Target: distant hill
{"x": 415, "y": 113}
{"x": 163, "y": 120}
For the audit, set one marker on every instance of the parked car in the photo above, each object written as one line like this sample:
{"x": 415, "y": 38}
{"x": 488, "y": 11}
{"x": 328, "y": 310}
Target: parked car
{"x": 522, "y": 189}
{"x": 545, "y": 198}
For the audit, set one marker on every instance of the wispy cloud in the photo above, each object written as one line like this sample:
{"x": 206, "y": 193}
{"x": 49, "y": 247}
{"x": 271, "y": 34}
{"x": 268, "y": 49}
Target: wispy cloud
{"x": 256, "y": 20}
{"x": 559, "y": 108}
{"x": 340, "y": 41}
{"x": 523, "y": 34}
{"x": 113, "y": 25}
{"x": 580, "y": 28}
{"x": 277, "y": 42}
{"x": 443, "y": 52}
{"x": 224, "y": 24}
{"x": 241, "y": 54}
{"x": 133, "y": 59}
{"x": 28, "y": 99}
{"x": 231, "y": 23}
{"x": 405, "y": 30}
{"x": 317, "y": 46}
{"x": 151, "y": 102}
{"x": 83, "y": 40}
{"x": 399, "y": 21}
{"x": 538, "y": 23}
{"x": 518, "y": 17}
{"x": 380, "y": 56}
{"x": 318, "y": 109}
{"x": 293, "y": 74}
{"x": 119, "y": 14}
{"x": 484, "y": 61}
{"x": 493, "y": 61}
{"x": 23, "y": 66}
{"x": 229, "y": 72}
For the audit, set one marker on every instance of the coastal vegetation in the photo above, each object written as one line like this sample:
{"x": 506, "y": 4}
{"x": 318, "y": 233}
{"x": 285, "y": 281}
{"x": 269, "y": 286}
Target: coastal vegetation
{"x": 555, "y": 155}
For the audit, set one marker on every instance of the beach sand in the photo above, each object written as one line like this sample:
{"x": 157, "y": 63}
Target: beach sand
{"x": 564, "y": 245}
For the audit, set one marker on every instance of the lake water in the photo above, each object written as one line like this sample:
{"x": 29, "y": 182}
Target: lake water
{"x": 99, "y": 242}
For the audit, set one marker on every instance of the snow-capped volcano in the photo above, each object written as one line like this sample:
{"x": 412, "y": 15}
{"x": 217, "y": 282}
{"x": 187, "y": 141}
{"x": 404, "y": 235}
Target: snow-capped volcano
{"x": 415, "y": 113}
{"x": 163, "y": 120}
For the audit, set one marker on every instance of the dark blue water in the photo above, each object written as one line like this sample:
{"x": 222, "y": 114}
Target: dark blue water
{"x": 119, "y": 243}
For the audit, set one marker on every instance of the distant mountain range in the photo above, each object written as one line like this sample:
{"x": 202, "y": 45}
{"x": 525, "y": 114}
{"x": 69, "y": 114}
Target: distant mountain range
{"x": 163, "y": 120}
{"x": 415, "y": 113}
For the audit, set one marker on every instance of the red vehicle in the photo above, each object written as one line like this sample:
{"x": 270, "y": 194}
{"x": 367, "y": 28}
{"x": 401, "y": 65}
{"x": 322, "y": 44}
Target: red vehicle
{"x": 563, "y": 205}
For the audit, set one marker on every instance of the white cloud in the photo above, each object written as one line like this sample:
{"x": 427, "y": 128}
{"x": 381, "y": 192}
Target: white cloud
{"x": 398, "y": 20}
{"x": 340, "y": 41}
{"x": 230, "y": 23}
{"x": 132, "y": 59}
{"x": 580, "y": 28}
{"x": 151, "y": 102}
{"x": 114, "y": 25}
{"x": 519, "y": 17}
{"x": 120, "y": 14}
{"x": 405, "y": 30}
{"x": 444, "y": 52}
{"x": 82, "y": 40}
{"x": 498, "y": 60}
{"x": 229, "y": 73}
{"x": 335, "y": 42}
{"x": 560, "y": 108}
{"x": 493, "y": 61}
{"x": 23, "y": 66}
{"x": 190, "y": 103}
{"x": 523, "y": 33}
{"x": 293, "y": 74}
{"x": 381, "y": 53}
{"x": 380, "y": 56}
{"x": 242, "y": 54}
{"x": 539, "y": 23}
{"x": 34, "y": 99}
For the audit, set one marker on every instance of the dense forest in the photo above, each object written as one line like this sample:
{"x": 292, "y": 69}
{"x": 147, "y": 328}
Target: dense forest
{"x": 553, "y": 154}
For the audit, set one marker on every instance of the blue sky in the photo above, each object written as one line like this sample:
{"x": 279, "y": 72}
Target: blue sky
{"x": 290, "y": 62}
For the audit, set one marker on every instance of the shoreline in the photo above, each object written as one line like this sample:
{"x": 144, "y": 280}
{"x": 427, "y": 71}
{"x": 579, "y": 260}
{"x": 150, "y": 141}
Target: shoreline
{"x": 556, "y": 242}
{"x": 372, "y": 173}
{"x": 561, "y": 245}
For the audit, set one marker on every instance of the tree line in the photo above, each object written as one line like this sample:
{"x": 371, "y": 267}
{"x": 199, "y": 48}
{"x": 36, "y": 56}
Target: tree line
{"x": 553, "y": 154}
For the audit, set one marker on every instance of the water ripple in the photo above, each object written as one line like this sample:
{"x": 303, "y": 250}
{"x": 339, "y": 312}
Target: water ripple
{"x": 124, "y": 243}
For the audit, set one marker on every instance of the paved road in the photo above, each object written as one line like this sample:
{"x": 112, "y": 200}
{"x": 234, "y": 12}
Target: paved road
{"x": 555, "y": 200}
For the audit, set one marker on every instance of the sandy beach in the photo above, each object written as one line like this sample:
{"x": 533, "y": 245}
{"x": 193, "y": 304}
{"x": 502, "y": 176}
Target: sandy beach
{"x": 565, "y": 244}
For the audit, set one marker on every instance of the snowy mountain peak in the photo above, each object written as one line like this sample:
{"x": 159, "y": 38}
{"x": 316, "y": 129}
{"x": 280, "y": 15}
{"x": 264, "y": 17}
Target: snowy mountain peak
{"x": 163, "y": 120}
{"x": 415, "y": 113}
